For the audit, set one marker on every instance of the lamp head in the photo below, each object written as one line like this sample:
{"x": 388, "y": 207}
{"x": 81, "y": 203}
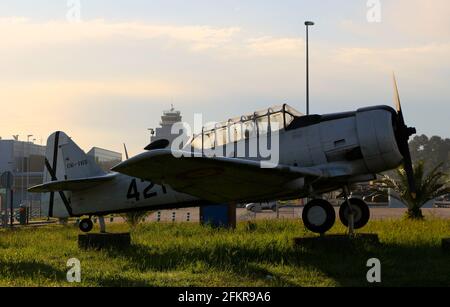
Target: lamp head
{"x": 309, "y": 23}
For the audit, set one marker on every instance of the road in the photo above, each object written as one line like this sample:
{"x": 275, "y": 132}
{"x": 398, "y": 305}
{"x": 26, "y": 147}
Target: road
{"x": 193, "y": 215}
{"x": 290, "y": 213}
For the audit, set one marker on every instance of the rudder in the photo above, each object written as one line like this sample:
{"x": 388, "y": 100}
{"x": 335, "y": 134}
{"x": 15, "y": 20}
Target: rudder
{"x": 64, "y": 160}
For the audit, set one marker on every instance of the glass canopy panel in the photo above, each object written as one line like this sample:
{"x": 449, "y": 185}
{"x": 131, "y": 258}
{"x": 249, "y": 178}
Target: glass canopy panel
{"x": 277, "y": 121}
{"x": 197, "y": 142}
{"x": 263, "y": 124}
{"x": 209, "y": 139}
{"x": 249, "y": 129}
{"x": 236, "y": 132}
{"x": 247, "y": 126}
{"x": 221, "y": 136}
{"x": 292, "y": 111}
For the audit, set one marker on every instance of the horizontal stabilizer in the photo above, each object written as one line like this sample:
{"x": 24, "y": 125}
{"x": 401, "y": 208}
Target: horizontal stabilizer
{"x": 72, "y": 185}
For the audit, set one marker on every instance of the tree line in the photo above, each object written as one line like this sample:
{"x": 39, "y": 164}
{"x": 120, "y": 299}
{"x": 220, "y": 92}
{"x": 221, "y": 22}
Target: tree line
{"x": 433, "y": 151}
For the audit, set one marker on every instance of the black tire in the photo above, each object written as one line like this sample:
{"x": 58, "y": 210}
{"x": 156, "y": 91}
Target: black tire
{"x": 361, "y": 213}
{"x": 319, "y": 216}
{"x": 86, "y": 225}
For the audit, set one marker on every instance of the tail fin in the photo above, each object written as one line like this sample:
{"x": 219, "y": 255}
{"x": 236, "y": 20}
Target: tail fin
{"x": 64, "y": 160}
{"x": 68, "y": 161}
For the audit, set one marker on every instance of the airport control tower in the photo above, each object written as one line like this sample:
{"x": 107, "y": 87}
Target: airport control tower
{"x": 168, "y": 119}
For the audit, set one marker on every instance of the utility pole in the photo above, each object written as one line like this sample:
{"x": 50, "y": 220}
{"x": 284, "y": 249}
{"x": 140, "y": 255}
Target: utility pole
{"x": 28, "y": 205}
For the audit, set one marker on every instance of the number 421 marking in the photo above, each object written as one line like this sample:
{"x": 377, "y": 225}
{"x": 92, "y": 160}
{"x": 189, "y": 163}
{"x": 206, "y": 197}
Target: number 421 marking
{"x": 133, "y": 191}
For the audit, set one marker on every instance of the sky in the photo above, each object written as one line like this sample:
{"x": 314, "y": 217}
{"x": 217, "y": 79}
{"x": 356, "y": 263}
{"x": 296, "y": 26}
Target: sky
{"x": 103, "y": 71}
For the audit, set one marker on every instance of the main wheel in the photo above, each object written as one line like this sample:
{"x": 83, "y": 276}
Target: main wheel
{"x": 319, "y": 216}
{"x": 361, "y": 213}
{"x": 86, "y": 225}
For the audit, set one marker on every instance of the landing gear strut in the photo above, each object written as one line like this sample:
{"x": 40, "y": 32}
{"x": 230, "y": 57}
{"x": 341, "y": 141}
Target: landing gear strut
{"x": 354, "y": 213}
{"x": 101, "y": 221}
{"x": 351, "y": 214}
{"x": 319, "y": 216}
{"x": 361, "y": 213}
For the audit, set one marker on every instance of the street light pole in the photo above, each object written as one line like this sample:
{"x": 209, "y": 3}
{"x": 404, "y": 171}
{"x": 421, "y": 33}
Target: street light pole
{"x": 307, "y": 24}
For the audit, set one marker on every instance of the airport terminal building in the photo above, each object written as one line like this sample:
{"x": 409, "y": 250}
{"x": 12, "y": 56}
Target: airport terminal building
{"x": 26, "y": 160}
{"x": 106, "y": 159}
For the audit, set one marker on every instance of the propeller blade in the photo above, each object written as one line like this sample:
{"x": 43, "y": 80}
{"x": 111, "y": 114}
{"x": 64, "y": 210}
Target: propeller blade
{"x": 126, "y": 151}
{"x": 403, "y": 134}
{"x": 398, "y": 104}
{"x": 410, "y": 174}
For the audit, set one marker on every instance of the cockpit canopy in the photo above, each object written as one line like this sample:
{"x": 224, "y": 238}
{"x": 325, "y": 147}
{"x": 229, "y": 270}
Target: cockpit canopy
{"x": 245, "y": 127}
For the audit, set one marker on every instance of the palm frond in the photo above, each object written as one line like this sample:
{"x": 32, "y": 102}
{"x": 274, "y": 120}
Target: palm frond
{"x": 429, "y": 185}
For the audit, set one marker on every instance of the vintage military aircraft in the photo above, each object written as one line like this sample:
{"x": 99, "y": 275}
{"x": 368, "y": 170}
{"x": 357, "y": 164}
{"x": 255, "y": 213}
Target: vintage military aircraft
{"x": 314, "y": 154}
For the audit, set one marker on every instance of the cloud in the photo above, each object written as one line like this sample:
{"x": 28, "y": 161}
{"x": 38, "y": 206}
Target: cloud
{"x": 417, "y": 18}
{"x": 415, "y": 61}
{"x": 88, "y": 109}
{"x": 19, "y": 31}
{"x": 50, "y": 104}
{"x": 405, "y": 22}
{"x": 136, "y": 68}
{"x": 65, "y": 90}
{"x": 270, "y": 46}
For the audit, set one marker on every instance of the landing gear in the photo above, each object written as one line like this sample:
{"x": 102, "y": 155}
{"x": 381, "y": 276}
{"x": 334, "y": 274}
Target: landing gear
{"x": 86, "y": 225}
{"x": 319, "y": 216}
{"x": 361, "y": 213}
{"x": 101, "y": 221}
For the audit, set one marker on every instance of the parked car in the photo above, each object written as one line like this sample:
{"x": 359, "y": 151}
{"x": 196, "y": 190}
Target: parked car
{"x": 258, "y": 207}
{"x": 445, "y": 198}
{"x": 376, "y": 198}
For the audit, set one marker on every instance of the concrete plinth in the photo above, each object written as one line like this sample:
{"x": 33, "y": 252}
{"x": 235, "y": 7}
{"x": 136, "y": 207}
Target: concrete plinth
{"x": 98, "y": 241}
{"x": 337, "y": 241}
{"x": 446, "y": 245}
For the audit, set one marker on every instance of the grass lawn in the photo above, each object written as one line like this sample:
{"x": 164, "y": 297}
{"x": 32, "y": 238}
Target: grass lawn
{"x": 191, "y": 255}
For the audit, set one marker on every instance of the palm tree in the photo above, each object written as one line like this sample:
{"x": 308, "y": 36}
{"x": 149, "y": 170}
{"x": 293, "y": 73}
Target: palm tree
{"x": 429, "y": 186}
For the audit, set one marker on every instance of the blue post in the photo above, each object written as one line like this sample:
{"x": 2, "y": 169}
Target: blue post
{"x": 220, "y": 215}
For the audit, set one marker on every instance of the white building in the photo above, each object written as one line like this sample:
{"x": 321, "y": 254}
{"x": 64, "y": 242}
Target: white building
{"x": 105, "y": 158}
{"x": 26, "y": 161}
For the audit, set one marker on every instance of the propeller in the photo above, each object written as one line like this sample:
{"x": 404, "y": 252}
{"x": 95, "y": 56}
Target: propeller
{"x": 403, "y": 134}
{"x": 126, "y": 151}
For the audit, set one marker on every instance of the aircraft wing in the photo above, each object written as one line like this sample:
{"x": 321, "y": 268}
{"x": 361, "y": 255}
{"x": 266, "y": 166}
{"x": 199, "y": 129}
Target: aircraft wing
{"x": 71, "y": 185}
{"x": 213, "y": 179}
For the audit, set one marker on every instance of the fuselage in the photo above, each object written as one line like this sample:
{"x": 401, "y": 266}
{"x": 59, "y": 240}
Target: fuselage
{"x": 123, "y": 194}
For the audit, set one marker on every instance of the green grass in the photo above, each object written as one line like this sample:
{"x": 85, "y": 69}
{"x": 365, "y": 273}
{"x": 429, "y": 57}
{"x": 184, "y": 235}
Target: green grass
{"x": 191, "y": 255}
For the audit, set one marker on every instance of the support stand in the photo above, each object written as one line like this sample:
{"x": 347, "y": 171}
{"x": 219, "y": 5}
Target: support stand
{"x": 446, "y": 245}
{"x": 99, "y": 241}
{"x": 351, "y": 213}
{"x": 101, "y": 221}
{"x": 337, "y": 242}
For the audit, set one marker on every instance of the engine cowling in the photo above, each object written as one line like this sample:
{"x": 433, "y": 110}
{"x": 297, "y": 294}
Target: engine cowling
{"x": 375, "y": 129}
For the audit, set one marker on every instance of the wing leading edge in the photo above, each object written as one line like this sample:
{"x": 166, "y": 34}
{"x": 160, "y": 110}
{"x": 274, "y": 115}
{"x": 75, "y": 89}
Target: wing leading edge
{"x": 214, "y": 179}
{"x": 72, "y": 185}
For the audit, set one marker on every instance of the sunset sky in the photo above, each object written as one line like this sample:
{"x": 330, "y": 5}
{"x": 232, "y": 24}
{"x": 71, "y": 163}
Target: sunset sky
{"x": 107, "y": 78}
